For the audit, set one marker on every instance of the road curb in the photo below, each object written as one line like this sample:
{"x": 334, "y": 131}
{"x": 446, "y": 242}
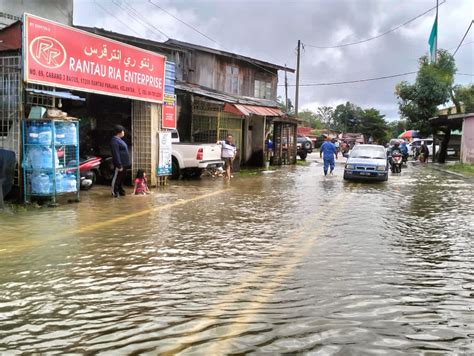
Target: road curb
{"x": 460, "y": 175}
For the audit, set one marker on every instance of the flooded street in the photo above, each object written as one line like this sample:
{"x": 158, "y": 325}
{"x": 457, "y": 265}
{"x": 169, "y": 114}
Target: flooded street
{"x": 275, "y": 263}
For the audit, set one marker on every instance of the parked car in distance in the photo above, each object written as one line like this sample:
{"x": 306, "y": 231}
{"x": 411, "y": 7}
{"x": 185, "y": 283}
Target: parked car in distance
{"x": 367, "y": 162}
{"x": 417, "y": 142}
{"x": 190, "y": 159}
{"x": 304, "y": 146}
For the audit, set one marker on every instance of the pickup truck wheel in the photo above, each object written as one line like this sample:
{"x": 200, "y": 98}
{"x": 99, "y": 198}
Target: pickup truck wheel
{"x": 191, "y": 173}
{"x": 303, "y": 155}
{"x": 175, "y": 172}
{"x": 196, "y": 172}
{"x": 307, "y": 146}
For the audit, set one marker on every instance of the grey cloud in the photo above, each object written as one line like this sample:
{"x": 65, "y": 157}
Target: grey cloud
{"x": 269, "y": 30}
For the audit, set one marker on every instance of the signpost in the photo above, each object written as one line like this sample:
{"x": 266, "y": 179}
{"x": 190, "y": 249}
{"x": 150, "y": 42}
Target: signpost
{"x": 164, "y": 155}
{"x": 168, "y": 118}
{"x": 65, "y": 57}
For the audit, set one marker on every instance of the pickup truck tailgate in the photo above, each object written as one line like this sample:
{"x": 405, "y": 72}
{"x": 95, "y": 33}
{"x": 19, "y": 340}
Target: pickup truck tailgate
{"x": 211, "y": 152}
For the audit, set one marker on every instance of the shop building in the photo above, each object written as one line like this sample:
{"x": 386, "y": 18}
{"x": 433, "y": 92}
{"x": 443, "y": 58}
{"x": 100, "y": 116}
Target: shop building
{"x": 121, "y": 84}
{"x": 219, "y": 93}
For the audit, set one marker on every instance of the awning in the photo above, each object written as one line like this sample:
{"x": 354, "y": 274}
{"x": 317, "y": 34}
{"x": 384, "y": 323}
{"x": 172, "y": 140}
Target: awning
{"x": 247, "y": 110}
{"x": 56, "y": 94}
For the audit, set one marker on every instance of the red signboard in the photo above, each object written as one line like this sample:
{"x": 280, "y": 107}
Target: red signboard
{"x": 168, "y": 119}
{"x": 62, "y": 56}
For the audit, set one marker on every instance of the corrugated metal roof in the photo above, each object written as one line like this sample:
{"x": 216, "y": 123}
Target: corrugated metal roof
{"x": 227, "y": 98}
{"x": 247, "y": 110}
{"x": 219, "y": 52}
{"x": 56, "y": 94}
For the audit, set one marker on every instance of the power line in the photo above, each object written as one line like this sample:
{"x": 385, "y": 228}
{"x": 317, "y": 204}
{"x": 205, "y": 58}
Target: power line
{"x": 206, "y": 36}
{"x": 354, "y": 81}
{"x": 463, "y": 37}
{"x": 111, "y": 14}
{"x": 133, "y": 13}
{"x": 183, "y": 22}
{"x": 378, "y": 36}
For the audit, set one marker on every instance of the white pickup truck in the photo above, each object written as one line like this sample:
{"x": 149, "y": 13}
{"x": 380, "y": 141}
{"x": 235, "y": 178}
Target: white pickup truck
{"x": 191, "y": 159}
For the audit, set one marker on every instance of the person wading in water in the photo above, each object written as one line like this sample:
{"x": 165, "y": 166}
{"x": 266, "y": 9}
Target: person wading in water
{"x": 228, "y": 155}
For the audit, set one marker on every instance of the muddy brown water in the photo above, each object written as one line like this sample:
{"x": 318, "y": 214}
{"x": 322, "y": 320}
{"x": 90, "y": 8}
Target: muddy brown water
{"x": 287, "y": 262}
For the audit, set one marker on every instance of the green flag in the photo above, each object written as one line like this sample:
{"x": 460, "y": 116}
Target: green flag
{"x": 433, "y": 40}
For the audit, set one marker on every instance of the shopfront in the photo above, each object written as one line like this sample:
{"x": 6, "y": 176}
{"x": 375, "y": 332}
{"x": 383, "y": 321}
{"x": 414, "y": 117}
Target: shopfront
{"x": 121, "y": 84}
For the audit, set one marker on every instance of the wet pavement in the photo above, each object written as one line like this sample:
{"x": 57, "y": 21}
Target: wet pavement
{"x": 284, "y": 262}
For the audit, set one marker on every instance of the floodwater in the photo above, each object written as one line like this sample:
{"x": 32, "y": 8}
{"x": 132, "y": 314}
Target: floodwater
{"x": 288, "y": 262}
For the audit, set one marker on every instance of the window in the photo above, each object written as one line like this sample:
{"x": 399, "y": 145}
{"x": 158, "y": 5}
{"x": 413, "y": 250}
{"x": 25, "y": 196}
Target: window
{"x": 232, "y": 79}
{"x": 263, "y": 90}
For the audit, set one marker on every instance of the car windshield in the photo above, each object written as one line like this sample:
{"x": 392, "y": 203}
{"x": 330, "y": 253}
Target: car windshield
{"x": 368, "y": 152}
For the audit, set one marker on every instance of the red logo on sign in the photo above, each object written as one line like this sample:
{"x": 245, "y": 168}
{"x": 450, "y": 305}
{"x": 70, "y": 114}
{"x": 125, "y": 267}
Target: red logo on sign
{"x": 48, "y": 52}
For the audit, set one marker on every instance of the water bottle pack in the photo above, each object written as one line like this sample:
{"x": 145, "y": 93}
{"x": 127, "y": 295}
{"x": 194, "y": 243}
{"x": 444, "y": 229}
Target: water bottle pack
{"x": 41, "y": 157}
{"x": 46, "y": 176}
{"x": 45, "y": 134}
{"x": 70, "y": 133}
{"x": 41, "y": 183}
{"x": 32, "y": 133}
{"x": 69, "y": 183}
{"x": 60, "y": 133}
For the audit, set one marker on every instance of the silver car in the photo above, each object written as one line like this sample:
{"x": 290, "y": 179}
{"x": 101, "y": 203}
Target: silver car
{"x": 367, "y": 162}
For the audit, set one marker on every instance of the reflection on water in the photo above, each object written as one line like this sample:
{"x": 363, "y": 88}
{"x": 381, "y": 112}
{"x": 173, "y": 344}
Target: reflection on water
{"x": 283, "y": 262}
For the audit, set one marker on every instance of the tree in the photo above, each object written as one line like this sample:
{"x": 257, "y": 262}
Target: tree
{"x": 282, "y": 105}
{"x": 395, "y": 128}
{"x": 346, "y": 117}
{"x": 326, "y": 115}
{"x": 372, "y": 124}
{"x": 433, "y": 86}
{"x": 464, "y": 96}
{"x": 310, "y": 118}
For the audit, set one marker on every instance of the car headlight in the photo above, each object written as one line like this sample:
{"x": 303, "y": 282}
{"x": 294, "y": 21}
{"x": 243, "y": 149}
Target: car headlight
{"x": 381, "y": 168}
{"x": 349, "y": 166}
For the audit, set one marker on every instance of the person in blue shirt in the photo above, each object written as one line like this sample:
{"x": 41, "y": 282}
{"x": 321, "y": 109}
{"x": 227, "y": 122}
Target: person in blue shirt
{"x": 404, "y": 149}
{"x": 327, "y": 151}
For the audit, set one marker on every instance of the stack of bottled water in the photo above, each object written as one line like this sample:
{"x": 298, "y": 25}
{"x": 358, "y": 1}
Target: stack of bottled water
{"x": 41, "y": 183}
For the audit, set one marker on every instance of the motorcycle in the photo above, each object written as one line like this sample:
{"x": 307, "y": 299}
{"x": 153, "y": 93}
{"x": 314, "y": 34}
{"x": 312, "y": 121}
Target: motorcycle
{"x": 89, "y": 169}
{"x": 396, "y": 162}
{"x": 405, "y": 159}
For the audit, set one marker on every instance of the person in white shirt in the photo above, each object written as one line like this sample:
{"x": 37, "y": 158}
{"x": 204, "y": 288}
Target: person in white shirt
{"x": 228, "y": 154}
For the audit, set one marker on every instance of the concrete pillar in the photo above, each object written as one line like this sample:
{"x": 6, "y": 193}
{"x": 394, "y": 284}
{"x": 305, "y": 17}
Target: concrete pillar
{"x": 146, "y": 123}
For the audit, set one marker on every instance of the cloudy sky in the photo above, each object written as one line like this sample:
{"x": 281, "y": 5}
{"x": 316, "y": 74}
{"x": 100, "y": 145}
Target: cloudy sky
{"x": 269, "y": 30}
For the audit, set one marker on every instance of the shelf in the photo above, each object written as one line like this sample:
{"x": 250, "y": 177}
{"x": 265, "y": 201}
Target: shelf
{"x": 50, "y": 194}
{"x": 72, "y": 169}
{"x": 51, "y": 144}
{"x": 67, "y": 150}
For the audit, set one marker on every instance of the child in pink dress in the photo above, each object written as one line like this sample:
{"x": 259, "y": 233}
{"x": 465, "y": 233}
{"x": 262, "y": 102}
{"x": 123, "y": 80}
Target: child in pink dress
{"x": 141, "y": 186}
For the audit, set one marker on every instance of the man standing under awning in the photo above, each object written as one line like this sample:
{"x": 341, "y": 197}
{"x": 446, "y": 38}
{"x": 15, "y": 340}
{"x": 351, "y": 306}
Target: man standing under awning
{"x": 121, "y": 159}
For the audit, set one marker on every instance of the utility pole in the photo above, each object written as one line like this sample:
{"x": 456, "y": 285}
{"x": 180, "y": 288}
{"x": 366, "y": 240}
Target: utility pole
{"x": 286, "y": 90}
{"x": 297, "y": 92}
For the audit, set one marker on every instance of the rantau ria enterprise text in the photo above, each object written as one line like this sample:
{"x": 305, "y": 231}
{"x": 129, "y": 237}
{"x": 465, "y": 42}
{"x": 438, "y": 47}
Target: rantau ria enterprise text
{"x": 85, "y": 66}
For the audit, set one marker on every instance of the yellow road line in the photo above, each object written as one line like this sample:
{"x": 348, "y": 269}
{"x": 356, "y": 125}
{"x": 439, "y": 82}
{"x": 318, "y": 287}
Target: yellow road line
{"x": 233, "y": 293}
{"x": 275, "y": 281}
{"x": 147, "y": 211}
{"x": 33, "y": 243}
